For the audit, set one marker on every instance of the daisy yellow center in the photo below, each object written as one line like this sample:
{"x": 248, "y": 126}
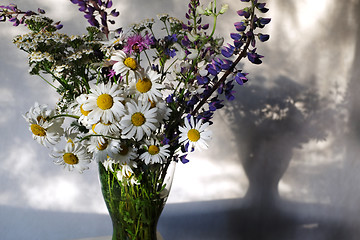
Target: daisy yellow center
{"x": 127, "y": 174}
{"x": 40, "y": 118}
{"x": 102, "y": 145}
{"x": 38, "y": 130}
{"x": 104, "y": 101}
{"x": 93, "y": 128}
{"x": 130, "y": 62}
{"x": 152, "y": 104}
{"x": 83, "y": 112}
{"x": 138, "y": 119}
{"x": 193, "y": 135}
{"x": 124, "y": 150}
{"x": 70, "y": 158}
{"x": 153, "y": 150}
{"x": 143, "y": 85}
{"x": 71, "y": 141}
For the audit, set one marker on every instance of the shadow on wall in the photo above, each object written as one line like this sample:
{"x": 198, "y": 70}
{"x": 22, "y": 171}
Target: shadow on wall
{"x": 269, "y": 123}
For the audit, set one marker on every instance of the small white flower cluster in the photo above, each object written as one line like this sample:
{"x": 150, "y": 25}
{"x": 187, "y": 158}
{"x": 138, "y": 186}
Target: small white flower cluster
{"x": 30, "y": 42}
{"x": 39, "y": 57}
{"x": 58, "y": 51}
{"x": 147, "y": 23}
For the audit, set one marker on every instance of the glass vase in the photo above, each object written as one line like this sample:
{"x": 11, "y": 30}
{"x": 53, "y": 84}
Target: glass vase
{"x": 135, "y": 208}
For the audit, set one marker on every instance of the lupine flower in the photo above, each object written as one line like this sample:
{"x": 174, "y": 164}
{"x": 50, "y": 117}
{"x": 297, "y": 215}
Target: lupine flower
{"x": 254, "y": 57}
{"x": 240, "y": 78}
{"x": 228, "y": 51}
{"x": 263, "y": 37}
{"x": 240, "y": 26}
{"x": 244, "y": 12}
{"x": 262, "y": 8}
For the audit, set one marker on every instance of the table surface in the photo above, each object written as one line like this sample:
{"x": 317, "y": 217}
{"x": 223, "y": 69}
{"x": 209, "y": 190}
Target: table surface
{"x": 232, "y": 219}
{"x": 159, "y": 237}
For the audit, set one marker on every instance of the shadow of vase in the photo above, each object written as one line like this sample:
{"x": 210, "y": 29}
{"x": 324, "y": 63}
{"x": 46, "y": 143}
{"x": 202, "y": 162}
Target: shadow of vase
{"x": 269, "y": 123}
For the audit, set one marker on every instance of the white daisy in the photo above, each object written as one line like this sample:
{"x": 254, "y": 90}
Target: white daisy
{"x": 126, "y": 173}
{"x": 106, "y": 128}
{"x": 77, "y": 109}
{"x": 123, "y": 153}
{"x": 101, "y": 148}
{"x": 163, "y": 110}
{"x": 155, "y": 153}
{"x": 108, "y": 164}
{"x": 104, "y": 103}
{"x": 74, "y": 156}
{"x": 194, "y": 134}
{"x": 44, "y": 131}
{"x": 148, "y": 88}
{"x": 126, "y": 65}
{"x": 139, "y": 121}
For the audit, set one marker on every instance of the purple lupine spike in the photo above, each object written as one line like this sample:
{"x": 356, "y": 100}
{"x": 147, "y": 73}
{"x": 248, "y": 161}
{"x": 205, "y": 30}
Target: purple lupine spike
{"x": 206, "y": 26}
{"x": 228, "y": 51}
{"x": 236, "y": 36}
{"x": 229, "y": 93}
{"x": 93, "y": 21}
{"x": 238, "y": 44}
{"x": 119, "y": 30}
{"x": 225, "y": 64}
{"x": 264, "y": 21}
{"x": 215, "y": 104}
{"x": 263, "y": 37}
{"x": 240, "y": 78}
{"x": 183, "y": 158}
{"x": 12, "y": 7}
{"x": 16, "y": 23}
{"x": 213, "y": 68}
{"x": 244, "y": 12}
{"x": 29, "y": 13}
{"x": 104, "y": 18}
{"x": 109, "y": 4}
{"x": 262, "y": 8}
{"x": 114, "y": 13}
{"x": 202, "y": 80}
{"x": 82, "y": 7}
{"x": 41, "y": 11}
{"x": 253, "y": 42}
{"x": 59, "y": 26}
{"x": 76, "y": 1}
{"x": 249, "y": 34}
{"x": 254, "y": 57}
{"x": 170, "y": 98}
{"x": 240, "y": 26}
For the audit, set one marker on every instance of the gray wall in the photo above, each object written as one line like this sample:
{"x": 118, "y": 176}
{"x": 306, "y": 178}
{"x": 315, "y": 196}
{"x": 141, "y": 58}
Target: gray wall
{"x": 288, "y": 145}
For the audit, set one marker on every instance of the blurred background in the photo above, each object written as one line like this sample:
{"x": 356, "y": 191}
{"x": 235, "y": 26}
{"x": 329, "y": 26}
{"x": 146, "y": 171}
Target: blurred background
{"x": 284, "y": 161}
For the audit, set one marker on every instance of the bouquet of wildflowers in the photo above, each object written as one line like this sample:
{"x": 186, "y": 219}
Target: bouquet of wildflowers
{"x": 135, "y": 99}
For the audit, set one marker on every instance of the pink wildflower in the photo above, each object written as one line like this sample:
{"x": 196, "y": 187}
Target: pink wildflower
{"x": 136, "y": 44}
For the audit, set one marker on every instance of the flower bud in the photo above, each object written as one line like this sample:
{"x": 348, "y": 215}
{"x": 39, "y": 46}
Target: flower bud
{"x": 200, "y": 10}
{"x": 224, "y": 8}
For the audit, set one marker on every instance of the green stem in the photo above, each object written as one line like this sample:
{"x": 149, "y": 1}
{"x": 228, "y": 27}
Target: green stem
{"x": 47, "y": 81}
{"x": 64, "y": 115}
